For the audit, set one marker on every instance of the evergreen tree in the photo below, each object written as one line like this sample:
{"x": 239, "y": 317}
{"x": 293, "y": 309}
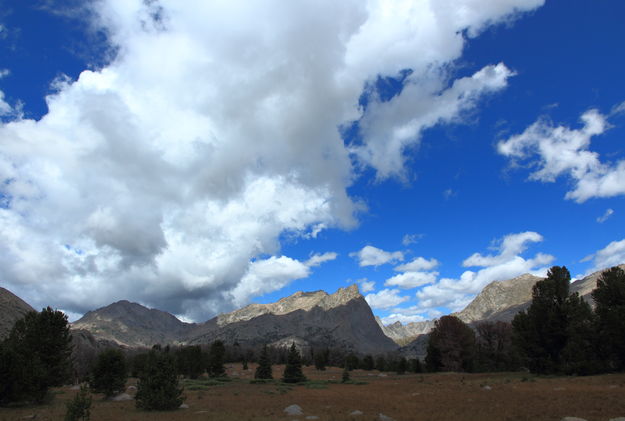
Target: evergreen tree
{"x": 367, "y": 363}
{"x": 451, "y": 346}
{"x": 79, "y": 409}
{"x": 555, "y": 334}
{"x": 189, "y": 360}
{"x": 110, "y": 373}
{"x": 345, "y": 377}
{"x": 158, "y": 387}
{"x": 351, "y": 361}
{"x": 320, "y": 360}
{"x": 216, "y": 359}
{"x": 380, "y": 363}
{"x": 263, "y": 371}
{"x": 35, "y": 356}
{"x": 609, "y": 298}
{"x": 293, "y": 370}
{"x": 415, "y": 365}
{"x": 494, "y": 347}
{"x": 402, "y": 366}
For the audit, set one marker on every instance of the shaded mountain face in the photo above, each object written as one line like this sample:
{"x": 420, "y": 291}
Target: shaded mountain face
{"x": 403, "y": 334}
{"x": 317, "y": 319}
{"x": 132, "y": 325}
{"x": 12, "y": 308}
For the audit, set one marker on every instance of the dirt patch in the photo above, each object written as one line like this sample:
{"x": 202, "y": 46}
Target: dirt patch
{"x": 410, "y": 397}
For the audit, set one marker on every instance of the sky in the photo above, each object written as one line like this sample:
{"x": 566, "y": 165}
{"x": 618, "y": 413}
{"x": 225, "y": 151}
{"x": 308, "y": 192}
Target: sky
{"x": 199, "y": 156}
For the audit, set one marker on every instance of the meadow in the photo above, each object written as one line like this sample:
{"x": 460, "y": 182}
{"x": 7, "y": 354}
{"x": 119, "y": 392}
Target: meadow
{"x": 409, "y": 397}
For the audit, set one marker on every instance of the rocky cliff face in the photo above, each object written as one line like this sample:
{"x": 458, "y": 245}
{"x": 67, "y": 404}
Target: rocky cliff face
{"x": 498, "y": 296}
{"x": 12, "y": 308}
{"x": 343, "y": 319}
{"x": 404, "y": 334}
{"x": 586, "y": 285}
{"x": 132, "y": 325}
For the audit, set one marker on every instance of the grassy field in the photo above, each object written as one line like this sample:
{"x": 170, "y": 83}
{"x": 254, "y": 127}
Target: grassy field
{"x": 410, "y": 397}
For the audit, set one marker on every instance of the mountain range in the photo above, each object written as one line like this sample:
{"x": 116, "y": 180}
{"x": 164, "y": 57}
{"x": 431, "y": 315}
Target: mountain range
{"x": 311, "y": 319}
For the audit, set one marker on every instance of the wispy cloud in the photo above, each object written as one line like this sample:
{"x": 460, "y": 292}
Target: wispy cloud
{"x": 608, "y": 213}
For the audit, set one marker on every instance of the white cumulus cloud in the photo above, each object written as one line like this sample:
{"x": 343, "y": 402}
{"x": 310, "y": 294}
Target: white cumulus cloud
{"x": 373, "y": 256}
{"x": 169, "y": 175}
{"x": 408, "y": 280}
{"x": 418, "y": 264}
{"x": 385, "y": 298}
{"x": 560, "y": 150}
{"x": 611, "y": 255}
{"x": 318, "y": 259}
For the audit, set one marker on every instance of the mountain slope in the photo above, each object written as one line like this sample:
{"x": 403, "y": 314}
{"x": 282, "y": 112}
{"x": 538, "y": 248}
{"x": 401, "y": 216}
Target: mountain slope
{"x": 343, "y": 319}
{"x": 403, "y": 334}
{"x": 132, "y": 325}
{"x": 12, "y": 308}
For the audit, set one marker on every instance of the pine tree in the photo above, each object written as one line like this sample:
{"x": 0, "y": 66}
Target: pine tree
{"x": 110, "y": 373}
{"x": 263, "y": 371}
{"x": 345, "y": 377}
{"x": 402, "y": 365}
{"x": 158, "y": 387}
{"x": 367, "y": 363}
{"x": 293, "y": 370}
{"x": 609, "y": 297}
{"x": 451, "y": 346}
{"x": 79, "y": 409}
{"x": 216, "y": 360}
{"x": 35, "y": 356}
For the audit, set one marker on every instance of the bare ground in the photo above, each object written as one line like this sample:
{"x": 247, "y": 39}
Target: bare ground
{"x": 410, "y": 397}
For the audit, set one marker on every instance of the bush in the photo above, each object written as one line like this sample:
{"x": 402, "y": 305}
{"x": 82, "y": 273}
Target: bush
{"x": 158, "y": 387}
{"x": 79, "y": 409}
{"x": 110, "y": 373}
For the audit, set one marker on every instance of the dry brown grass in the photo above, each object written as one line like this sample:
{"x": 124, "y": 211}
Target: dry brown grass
{"x": 411, "y": 397}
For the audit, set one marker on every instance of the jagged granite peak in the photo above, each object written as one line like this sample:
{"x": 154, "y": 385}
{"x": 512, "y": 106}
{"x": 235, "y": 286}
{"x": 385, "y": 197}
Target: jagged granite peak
{"x": 499, "y": 296}
{"x": 298, "y": 301}
{"x": 12, "y": 308}
{"x": 586, "y": 285}
{"x": 133, "y": 325}
{"x": 404, "y": 334}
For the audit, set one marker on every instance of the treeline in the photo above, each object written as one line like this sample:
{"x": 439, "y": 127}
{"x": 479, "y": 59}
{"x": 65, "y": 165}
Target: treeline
{"x": 558, "y": 334}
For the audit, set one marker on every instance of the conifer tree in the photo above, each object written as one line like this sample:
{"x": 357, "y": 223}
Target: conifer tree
{"x": 293, "y": 370}
{"x": 216, "y": 359}
{"x": 110, "y": 373}
{"x": 158, "y": 387}
{"x": 345, "y": 377}
{"x": 263, "y": 371}
{"x": 609, "y": 297}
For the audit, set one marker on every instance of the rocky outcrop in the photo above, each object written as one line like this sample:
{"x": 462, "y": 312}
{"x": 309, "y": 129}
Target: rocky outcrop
{"x": 403, "y": 334}
{"x": 12, "y": 308}
{"x": 497, "y": 297}
{"x": 343, "y": 320}
{"x": 132, "y": 325}
{"x": 586, "y": 285}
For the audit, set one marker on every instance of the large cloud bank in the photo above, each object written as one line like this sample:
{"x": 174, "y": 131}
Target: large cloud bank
{"x": 169, "y": 175}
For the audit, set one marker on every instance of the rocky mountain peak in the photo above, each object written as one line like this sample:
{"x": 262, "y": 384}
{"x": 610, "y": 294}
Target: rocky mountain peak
{"x": 12, "y": 308}
{"x": 498, "y": 296}
{"x": 305, "y": 301}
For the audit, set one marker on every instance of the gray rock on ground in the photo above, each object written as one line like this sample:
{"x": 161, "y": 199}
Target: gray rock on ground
{"x": 382, "y": 417}
{"x": 294, "y": 410}
{"x": 572, "y": 419}
{"x": 122, "y": 397}
{"x": 355, "y": 413}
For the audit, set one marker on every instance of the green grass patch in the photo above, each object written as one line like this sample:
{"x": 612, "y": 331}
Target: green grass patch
{"x": 204, "y": 384}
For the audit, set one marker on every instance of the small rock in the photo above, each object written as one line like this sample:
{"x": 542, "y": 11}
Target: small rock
{"x": 613, "y": 386}
{"x": 294, "y": 410}
{"x": 382, "y": 417}
{"x": 487, "y": 387}
{"x": 131, "y": 388}
{"x": 29, "y": 417}
{"x": 122, "y": 397}
{"x": 183, "y": 406}
{"x": 312, "y": 417}
{"x": 617, "y": 419}
{"x": 75, "y": 387}
{"x": 355, "y": 413}
{"x": 381, "y": 375}
{"x": 416, "y": 394}
{"x": 572, "y": 419}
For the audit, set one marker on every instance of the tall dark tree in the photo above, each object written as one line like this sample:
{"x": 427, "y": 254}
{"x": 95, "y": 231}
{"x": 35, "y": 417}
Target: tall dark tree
{"x": 494, "y": 347}
{"x": 351, "y": 361}
{"x": 35, "y": 356}
{"x": 451, "y": 346}
{"x": 402, "y": 365}
{"x": 110, "y": 373}
{"x": 554, "y": 335}
{"x": 293, "y": 369}
{"x": 216, "y": 359}
{"x": 158, "y": 387}
{"x": 609, "y": 298}
{"x": 367, "y": 363}
{"x": 263, "y": 370}
{"x": 189, "y": 360}
{"x": 320, "y": 360}
{"x": 380, "y": 363}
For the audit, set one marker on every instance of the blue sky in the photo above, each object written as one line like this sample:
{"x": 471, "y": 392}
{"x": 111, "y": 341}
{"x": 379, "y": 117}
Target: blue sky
{"x": 196, "y": 157}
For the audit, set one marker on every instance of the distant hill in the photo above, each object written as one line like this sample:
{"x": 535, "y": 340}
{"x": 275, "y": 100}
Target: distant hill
{"x": 12, "y": 308}
{"x": 132, "y": 325}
